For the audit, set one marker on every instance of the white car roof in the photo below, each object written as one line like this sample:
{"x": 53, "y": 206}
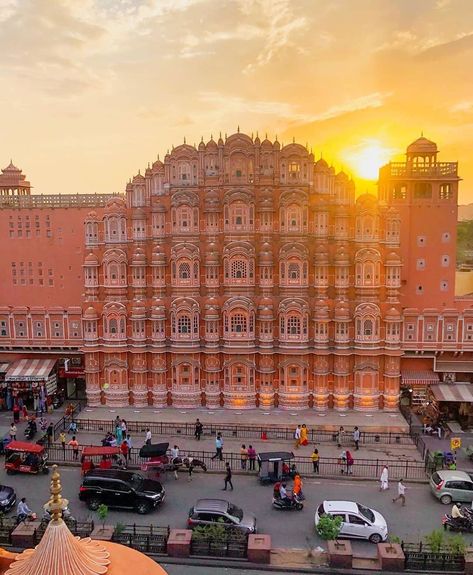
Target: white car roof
{"x": 340, "y": 507}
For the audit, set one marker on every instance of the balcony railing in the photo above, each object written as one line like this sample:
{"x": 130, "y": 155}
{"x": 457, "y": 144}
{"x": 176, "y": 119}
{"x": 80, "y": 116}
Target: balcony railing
{"x": 409, "y": 170}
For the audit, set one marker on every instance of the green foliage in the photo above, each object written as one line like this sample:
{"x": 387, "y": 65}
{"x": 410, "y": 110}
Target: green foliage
{"x": 217, "y": 532}
{"x": 456, "y": 544}
{"x": 465, "y": 242}
{"x": 329, "y": 527}
{"x": 435, "y": 540}
{"x": 394, "y": 539}
{"x": 119, "y": 528}
{"x": 102, "y": 513}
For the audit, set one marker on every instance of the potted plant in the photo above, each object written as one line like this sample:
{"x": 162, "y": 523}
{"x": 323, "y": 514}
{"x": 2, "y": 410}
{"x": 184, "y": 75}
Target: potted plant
{"x": 102, "y": 513}
{"x": 339, "y": 552}
{"x": 105, "y": 532}
{"x": 391, "y": 554}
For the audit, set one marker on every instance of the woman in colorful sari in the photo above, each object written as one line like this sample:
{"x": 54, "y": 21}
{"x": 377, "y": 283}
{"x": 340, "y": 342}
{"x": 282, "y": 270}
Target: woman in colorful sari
{"x": 303, "y": 438}
{"x": 297, "y": 487}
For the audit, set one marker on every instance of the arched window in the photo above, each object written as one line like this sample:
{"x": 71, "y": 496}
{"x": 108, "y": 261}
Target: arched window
{"x": 293, "y": 271}
{"x": 113, "y": 326}
{"x": 184, "y": 271}
{"x": 293, "y": 325}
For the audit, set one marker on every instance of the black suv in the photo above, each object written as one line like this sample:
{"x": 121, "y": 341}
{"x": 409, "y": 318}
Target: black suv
{"x": 123, "y": 489}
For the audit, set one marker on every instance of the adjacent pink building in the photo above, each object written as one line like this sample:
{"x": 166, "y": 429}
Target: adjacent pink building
{"x": 241, "y": 274}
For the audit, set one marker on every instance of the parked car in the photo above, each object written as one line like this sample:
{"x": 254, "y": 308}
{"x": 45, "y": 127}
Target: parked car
{"x": 451, "y": 486}
{"x": 123, "y": 489}
{"x": 358, "y": 521}
{"x": 7, "y": 498}
{"x": 211, "y": 511}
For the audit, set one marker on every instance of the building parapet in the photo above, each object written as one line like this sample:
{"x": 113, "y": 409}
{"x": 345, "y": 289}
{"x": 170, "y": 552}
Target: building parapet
{"x": 407, "y": 169}
{"x": 56, "y": 201}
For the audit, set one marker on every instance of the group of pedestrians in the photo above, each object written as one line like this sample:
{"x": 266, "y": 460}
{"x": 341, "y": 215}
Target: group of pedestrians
{"x": 384, "y": 486}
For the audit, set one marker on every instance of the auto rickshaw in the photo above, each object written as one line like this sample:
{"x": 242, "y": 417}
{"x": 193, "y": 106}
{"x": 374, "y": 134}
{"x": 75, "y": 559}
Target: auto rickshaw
{"x": 22, "y": 457}
{"x": 98, "y": 456}
{"x": 275, "y": 466}
{"x": 157, "y": 458}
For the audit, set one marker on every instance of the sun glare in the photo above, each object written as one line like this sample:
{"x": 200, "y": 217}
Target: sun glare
{"x": 366, "y": 159}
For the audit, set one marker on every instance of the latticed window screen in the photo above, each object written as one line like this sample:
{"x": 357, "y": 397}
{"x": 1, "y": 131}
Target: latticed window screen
{"x": 294, "y": 271}
{"x": 184, "y": 324}
{"x": 239, "y": 269}
{"x": 238, "y": 323}
{"x": 184, "y": 271}
{"x": 294, "y": 325}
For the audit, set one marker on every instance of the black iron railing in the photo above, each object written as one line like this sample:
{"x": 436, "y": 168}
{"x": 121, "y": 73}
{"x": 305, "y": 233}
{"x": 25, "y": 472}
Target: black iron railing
{"x": 420, "y": 557}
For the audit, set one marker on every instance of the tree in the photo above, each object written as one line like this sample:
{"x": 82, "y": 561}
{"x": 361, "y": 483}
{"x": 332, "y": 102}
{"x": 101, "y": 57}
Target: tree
{"x": 329, "y": 527}
{"x": 102, "y": 513}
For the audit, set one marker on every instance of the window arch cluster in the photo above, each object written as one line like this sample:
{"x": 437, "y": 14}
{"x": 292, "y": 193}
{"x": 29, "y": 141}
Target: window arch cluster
{"x": 185, "y": 320}
{"x": 293, "y": 267}
{"x": 91, "y": 233}
{"x": 185, "y": 266}
{"x": 115, "y": 228}
{"x": 239, "y": 320}
{"x": 293, "y": 321}
{"x": 367, "y": 323}
{"x": 366, "y": 227}
{"x": 367, "y": 268}
{"x": 239, "y": 214}
{"x": 115, "y": 269}
{"x": 239, "y": 265}
{"x": 114, "y": 323}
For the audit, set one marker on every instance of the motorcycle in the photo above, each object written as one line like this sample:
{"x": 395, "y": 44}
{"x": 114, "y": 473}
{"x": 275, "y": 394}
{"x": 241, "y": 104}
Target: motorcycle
{"x": 288, "y": 504}
{"x": 66, "y": 515}
{"x": 461, "y": 524}
{"x": 26, "y": 518}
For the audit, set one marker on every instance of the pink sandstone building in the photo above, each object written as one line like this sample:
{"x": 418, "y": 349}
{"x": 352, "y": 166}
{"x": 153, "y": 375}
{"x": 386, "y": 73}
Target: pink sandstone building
{"x": 240, "y": 273}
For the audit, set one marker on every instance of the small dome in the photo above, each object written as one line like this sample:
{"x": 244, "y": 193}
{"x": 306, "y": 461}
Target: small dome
{"x": 211, "y": 145}
{"x": 91, "y": 260}
{"x": 211, "y": 258}
{"x": 138, "y": 257}
{"x": 393, "y": 258}
{"x": 266, "y": 144}
{"x": 92, "y": 215}
{"x": 158, "y": 255}
{"x": 422, "y": 146}
{"x": 201, "y": 146}
{"x": 158, "y": 207}
{"x": 393, "y": 313}
{"x": 138, "y": 308}
{"x": 321, "y": 166}
{"x": 90, "y": 313}
{"x": 158, "y": 165}
{"x": 257, "y": 141}
{"x": 115, "y": 205}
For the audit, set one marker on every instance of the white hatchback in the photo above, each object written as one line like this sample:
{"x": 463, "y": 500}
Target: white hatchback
{"x": 358, "y": 521}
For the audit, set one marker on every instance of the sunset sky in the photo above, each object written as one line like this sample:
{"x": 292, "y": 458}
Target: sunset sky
{"x": 91, "y": 90}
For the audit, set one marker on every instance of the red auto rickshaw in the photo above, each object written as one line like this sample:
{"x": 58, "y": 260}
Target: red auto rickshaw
{"x": 22, "y": 457}
{"x": 101, "y": 457}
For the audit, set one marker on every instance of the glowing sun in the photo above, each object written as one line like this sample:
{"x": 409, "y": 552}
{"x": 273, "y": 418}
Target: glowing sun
{"x": 366, "y": 158}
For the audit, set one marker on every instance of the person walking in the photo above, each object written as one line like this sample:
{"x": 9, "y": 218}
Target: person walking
{"x": 218, "y": 447}
{"x": 16, "y": 413}
{"x": 350, "y": 462}
{"x": 342, "y": 461}
{"x": 62, "y": 440}
{"x": 228, "y": 477}
{"x": 384, "y": 479}
{"x": 304, "y": 433}
{"x": 401, "y": 493}
{"x": 49, "y": 433}
{"x": 340, "y": 435}
{"x": 297, "y": 437}
{"x": 243, "y": 457}
{"x": 125, "y": 451}
{"x": 118, "y": 433}
{"x": 251, "y": 457}
{"x": 198, "y": 429}
{"x": 12, "y": 432}
{"x": 315, "y": 460}
{"x": 75, "y": 447}
{"x": 124, "y": 428}
{"x": 148, "y": 437}
{"x": 174, "y": 451}
{"x": 356, "y": 438}
{"x": 128, "y": 440}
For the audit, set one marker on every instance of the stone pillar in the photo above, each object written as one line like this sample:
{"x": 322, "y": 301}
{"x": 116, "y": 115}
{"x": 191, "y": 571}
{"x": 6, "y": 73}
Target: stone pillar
{"x": 179, "y": 543}
{"x": 259, "y": 548}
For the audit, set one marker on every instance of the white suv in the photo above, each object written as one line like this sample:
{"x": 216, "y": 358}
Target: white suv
{"x": 358, "y": 521}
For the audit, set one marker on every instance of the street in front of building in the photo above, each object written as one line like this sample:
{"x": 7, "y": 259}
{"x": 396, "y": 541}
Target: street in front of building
{"x": 422, "y": 513}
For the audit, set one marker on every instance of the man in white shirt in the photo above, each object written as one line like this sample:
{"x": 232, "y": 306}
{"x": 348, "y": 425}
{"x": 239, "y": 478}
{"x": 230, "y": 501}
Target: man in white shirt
{"x": 148, "y": 437}
{"x": 401, "y": 493}
{"x": 456, "y": 513}
{"x": 23, "y": 511}
{"x": 356, "y": 438}
{"x": 297, "y": 436}
{"x": 174, "y": 451}
{"x": 283, "y": 491}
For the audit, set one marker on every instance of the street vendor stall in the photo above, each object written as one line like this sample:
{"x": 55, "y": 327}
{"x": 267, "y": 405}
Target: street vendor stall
{"x": 32, "y": 380}
{"x": 453, "y": 402}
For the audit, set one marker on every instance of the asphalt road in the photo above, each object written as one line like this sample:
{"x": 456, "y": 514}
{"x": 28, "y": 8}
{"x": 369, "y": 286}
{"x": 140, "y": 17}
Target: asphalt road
{"x": 422, "y": 513}
{"x": 195, "y": 570}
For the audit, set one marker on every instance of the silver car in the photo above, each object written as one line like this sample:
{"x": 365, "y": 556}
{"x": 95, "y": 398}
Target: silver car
{"x": 451, "y": 486}
{"x": 212, "y": 511}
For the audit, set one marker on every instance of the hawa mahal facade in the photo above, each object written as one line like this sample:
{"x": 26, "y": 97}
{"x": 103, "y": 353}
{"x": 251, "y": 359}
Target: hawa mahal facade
{"x": 241, "y": 274}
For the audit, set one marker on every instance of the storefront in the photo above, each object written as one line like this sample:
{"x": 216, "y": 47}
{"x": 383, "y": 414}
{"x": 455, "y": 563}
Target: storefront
{"x": 453, "y": 402}
{"x": 71, "y": 378}
{"x": 415, "y": 383}
{"x": 3, "y": 371}
{"x": 32, "y": 380}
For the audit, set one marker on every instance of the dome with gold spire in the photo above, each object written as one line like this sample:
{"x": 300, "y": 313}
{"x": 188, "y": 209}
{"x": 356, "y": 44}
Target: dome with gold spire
{"x": 61, "y": 553}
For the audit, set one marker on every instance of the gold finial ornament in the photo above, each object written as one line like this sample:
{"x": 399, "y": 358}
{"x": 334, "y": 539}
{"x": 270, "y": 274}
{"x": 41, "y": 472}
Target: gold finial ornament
{"x": 56, "y": 504}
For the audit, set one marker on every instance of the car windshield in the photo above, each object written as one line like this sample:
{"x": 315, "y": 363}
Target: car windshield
{"x": 367, "y": 513}
{"x": 136, "y": 481}
{"x": 235, "y": 511}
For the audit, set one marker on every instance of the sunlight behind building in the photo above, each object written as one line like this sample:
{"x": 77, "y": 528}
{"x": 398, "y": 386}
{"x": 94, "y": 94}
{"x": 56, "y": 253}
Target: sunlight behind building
{"x": 366, "y": 158}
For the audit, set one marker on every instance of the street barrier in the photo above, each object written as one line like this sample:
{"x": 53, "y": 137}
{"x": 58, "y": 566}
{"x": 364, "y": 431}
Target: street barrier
{"x": 328, "y": 466}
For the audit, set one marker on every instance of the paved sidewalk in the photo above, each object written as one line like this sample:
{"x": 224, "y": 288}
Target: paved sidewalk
{"x": 331, "y": 420}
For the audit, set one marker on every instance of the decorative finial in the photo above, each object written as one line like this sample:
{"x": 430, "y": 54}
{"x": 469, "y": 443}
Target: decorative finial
{"x": 172, "y": 147}
{"x": 276, "y": 138}
{"x": 266, "y": 136}
{"x": 184, "y": 139}
{"x": 149, "y": 165}
{"x": 158, "y": 157}
{"x": 56, "y": 503}
{"x": 293, "y": 140}
{"x": 257, "y": 135}
{"x": 422, "y": 134}
{"x": 251, "y": 135}
{"x": 225, "y": 135}
{"x": 212, "y": 136}
{"x": 202, "y": 139}
{"x": 238, "y": 128}
{"x": 139, "y": 172}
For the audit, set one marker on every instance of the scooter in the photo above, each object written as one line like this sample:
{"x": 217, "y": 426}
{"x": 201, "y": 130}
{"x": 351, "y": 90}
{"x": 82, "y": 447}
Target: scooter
{"x": 462, "y": 524}
{"x": 31, "y": 430}
{"x": 66, "y": 515}
{"x": 288, "y": 504}
{"x": 23, "y": 517}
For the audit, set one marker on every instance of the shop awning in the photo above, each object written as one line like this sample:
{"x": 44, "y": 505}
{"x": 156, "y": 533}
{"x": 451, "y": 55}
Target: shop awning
{"x": 419, "y": 378}
{"x": 30, "y": 370}
{"x": 455, "y": 392}
{"x": 454, "y": 366}
{"x": 4, "y": 367}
